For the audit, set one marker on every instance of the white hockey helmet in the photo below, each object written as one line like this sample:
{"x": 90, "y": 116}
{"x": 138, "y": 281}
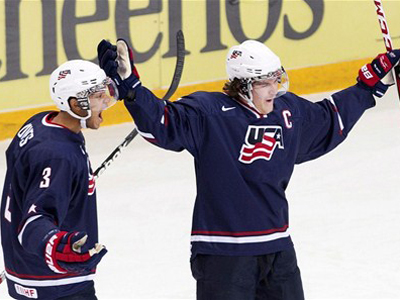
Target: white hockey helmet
{"x": 253, "y": 61}
{"x": 79, "y": 79}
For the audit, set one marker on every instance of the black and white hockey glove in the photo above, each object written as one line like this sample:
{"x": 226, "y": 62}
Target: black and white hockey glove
{"x": 118, "y": 64}
{"x": 67, "y": 252}
{"x": 377, "y": 75}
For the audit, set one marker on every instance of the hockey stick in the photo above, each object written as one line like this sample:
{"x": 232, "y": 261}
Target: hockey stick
{"x": 180, "y": 59}
{"x": 387, "y": 39}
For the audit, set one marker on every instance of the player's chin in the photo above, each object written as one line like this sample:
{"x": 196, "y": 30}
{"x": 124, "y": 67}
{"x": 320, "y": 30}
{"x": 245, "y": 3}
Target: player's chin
{"x": 94, "y": 121}
{"x": 268, "y": 105}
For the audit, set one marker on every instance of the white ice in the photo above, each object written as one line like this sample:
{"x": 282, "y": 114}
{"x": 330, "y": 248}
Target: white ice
{"x": 344, "y": 215}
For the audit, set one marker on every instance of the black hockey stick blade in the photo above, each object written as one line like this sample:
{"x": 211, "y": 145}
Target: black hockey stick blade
{"x": 180, "y": 59}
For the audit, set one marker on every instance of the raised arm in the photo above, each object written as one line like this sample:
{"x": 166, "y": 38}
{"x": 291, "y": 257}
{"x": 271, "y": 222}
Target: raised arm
{"x": 327, "y": 123}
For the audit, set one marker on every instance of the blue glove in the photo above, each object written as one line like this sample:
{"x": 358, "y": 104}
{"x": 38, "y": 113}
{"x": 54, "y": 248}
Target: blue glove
{"x": 67, "y": 252}
{"x": 117, "y": 62}
{"x": 375, "y": 76}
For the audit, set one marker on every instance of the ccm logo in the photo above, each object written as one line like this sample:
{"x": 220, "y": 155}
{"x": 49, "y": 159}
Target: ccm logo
{"x": 383, "y": 24}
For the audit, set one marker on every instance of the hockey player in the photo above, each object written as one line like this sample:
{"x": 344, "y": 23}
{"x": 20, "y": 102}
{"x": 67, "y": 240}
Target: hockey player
{"x": 49, "y": 228}
{"x": 245, "y": 143}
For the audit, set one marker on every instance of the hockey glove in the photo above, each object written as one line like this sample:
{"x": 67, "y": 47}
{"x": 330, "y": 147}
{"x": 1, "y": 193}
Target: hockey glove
{"x": 377, "y": 75}
{"x": 117, "y": 62}
{"x": 66, "y": 252}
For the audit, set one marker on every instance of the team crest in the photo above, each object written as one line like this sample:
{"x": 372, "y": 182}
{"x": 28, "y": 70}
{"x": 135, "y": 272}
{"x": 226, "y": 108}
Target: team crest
{"x": 260, "y": 143}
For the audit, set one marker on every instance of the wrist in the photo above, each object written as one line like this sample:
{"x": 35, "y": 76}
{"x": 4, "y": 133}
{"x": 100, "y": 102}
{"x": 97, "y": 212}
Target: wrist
{"x": 363, "y": 85}
{"x": 126, "y": 87}
{"x": 378, "y": 90}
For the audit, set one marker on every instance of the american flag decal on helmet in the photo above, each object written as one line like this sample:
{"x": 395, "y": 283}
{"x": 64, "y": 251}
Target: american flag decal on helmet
{"x": 260, "y": 143}
{"x": 235, "y": 54}
{"x": 63, "y": 74}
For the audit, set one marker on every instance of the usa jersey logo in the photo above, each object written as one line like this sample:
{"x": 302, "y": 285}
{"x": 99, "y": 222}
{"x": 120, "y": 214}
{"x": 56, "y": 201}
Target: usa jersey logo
{"x": 260, "y": 143}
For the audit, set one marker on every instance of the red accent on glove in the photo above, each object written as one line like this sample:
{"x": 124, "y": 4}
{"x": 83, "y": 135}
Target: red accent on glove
{"x": 385, "y": 62}
{"x": 370, "y": 74}
{"x": 51, "y": 250}
{"x": 59, "y": 249}
{"x": 367, "y": 75}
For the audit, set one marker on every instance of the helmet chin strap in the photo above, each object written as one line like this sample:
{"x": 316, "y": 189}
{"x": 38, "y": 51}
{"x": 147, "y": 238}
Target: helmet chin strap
{"x": 83, "y": 123}
{"x": 249, "y": 97}
{"x": 81, "y": 119}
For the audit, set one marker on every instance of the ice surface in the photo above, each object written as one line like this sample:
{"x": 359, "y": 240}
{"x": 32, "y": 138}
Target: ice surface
{"x": 344, "y": 215}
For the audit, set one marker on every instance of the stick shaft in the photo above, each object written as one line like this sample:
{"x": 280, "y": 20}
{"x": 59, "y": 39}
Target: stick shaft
{"x": 383, "y": 25}
{"x": 387, "y": 39}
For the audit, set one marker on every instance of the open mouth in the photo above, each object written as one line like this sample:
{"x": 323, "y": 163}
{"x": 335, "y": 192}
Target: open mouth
{"x": 100, "y": 116}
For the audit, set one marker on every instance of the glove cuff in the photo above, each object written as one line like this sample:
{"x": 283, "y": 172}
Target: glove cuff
{"x": 378, "y": 90}
{"x": 50, "y": 252}
{"x": 127, "y": 86}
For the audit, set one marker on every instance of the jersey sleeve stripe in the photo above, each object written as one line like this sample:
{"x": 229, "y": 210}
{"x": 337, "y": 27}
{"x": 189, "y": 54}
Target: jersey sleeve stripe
{"x": 145, "y": 134}
{"x": 31, "y": 219}
{"x": 341, "y": 125}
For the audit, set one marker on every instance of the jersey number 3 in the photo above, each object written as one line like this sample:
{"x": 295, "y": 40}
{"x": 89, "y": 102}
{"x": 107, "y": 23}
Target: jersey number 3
{"x": 45, "y": 183}
{"x": 46, "y": 178}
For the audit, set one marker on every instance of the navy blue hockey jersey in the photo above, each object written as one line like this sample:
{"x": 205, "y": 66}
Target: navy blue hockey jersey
{"x": 48, "y": 185}
{"x": 244, "y": 160}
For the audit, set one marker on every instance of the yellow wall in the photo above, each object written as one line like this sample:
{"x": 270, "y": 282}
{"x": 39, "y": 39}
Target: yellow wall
{"x": 325, "y": 59}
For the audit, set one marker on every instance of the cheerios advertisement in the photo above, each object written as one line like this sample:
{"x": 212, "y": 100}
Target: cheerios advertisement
{"x": 321, "y": 42}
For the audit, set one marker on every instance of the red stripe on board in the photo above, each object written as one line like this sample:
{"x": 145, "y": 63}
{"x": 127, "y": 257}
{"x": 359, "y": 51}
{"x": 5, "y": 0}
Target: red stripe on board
{"x": 243, "y": 233}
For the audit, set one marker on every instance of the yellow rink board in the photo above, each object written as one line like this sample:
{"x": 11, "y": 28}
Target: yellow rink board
{"x": 302, "y": 81}
{"x": 320, "y": 42}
